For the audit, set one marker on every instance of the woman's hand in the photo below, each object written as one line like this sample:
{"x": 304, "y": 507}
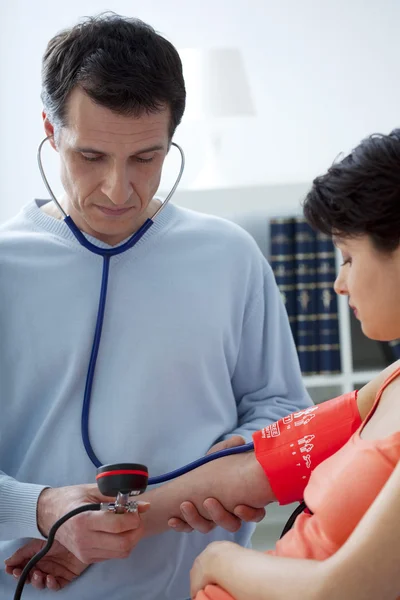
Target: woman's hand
{"x": 208, "y": 564}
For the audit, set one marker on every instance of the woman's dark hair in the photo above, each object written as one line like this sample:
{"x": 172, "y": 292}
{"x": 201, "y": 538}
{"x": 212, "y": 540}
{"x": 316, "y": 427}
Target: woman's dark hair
{"x": 360, "y": 195}
{"x": 120, "y": 63}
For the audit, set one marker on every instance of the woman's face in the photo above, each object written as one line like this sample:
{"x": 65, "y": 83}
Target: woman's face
{"x": 371, "y": 280}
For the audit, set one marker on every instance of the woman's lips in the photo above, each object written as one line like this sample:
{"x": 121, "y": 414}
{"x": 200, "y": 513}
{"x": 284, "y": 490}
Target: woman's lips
{"x": 353, "y": 308}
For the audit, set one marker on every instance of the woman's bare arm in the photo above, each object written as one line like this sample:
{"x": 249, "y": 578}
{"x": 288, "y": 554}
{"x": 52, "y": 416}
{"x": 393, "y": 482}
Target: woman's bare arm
{"x": 251, "y": 575}
{"x": 368, "y": 565}
{"x": 234, "y": 480}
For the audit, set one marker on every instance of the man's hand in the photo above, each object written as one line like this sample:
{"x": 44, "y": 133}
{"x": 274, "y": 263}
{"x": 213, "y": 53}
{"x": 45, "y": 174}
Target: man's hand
{"x": 84, "y": 539}
{"x": 190, "y": 519}
{"x": 91, "y": 536}
{"x": 58, "y": 568}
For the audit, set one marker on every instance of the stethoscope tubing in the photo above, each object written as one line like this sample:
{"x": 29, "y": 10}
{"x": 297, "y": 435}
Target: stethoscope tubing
{"x": 106, "y": 254}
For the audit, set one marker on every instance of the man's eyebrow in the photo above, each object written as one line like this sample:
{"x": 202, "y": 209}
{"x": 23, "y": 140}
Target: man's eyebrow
{"x": 87, "y": 150}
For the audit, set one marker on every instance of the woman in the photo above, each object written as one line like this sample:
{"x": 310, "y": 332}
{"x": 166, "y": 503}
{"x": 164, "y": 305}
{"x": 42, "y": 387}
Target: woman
{"x": 351, "y": 538}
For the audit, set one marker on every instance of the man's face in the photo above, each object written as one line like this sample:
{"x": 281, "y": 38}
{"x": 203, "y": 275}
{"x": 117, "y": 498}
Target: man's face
{"x": 110, "y": 166}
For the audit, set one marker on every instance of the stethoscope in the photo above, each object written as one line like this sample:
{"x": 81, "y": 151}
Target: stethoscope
{"x": 107, "y": 253}
{"x": 125, "y": 479}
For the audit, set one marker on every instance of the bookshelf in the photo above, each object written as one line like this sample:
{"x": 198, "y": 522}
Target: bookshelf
{"x": 345, "y": 381}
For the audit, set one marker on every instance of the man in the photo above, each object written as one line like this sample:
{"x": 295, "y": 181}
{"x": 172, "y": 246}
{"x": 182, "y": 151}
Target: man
{"x": 195, "y": 350}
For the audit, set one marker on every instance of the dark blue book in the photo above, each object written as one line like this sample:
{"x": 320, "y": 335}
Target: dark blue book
{"x": 327, "y": 307}
{"x": 282, "y": 261}
{"x": 306, "y": 297}
{"x": 395, "y": 349}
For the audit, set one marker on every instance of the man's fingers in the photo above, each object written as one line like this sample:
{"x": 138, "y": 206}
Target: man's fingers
{"x": 109, "y": 545}
{"x": 193, "y": 518}
{"x": 14, "y": 571}
{"x": 57, "y": 569}
{"x": 235, "y": 440}
{"x": 24, "y": 553}
{"x": 221, "y": 516}
{"x": 55, "y": 584}
{"x": 249, "y": 514}
{"x": 112, "y": 523}
{"x": 38, "y": 579}
{"x": 179, "y": 525}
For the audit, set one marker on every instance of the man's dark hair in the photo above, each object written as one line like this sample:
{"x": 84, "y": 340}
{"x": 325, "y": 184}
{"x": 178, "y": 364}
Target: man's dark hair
{"x": 360, "y": 195}
{"x": 120, "y": 63}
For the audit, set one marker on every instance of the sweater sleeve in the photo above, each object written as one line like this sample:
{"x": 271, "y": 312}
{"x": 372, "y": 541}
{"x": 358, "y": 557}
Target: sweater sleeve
{"x": 18, "y": 504}
{"x": 267, "y": 380}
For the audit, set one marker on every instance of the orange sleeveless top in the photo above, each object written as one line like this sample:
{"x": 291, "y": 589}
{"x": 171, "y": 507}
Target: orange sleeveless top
{"x": 339, "y": 492}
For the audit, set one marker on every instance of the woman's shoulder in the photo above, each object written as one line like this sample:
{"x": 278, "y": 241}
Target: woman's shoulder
{"x": 385, "y": 419}
{"x": 368, "y": 394}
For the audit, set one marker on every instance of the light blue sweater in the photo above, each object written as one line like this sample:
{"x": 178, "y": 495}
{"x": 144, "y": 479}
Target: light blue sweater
{"x": 196, "y": 346}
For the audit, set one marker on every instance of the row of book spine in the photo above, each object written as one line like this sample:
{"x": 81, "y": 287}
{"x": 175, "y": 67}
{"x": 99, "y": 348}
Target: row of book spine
{"x": 305, "y": 269}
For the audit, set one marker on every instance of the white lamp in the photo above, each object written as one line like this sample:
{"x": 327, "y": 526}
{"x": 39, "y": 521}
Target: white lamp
{"x": 217, "y": 87}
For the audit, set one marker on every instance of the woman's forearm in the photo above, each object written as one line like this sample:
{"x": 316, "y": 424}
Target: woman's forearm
{"x": 251, "y": 575}
{"x": 368, "y": 564}
{"x": 233, "y": 480}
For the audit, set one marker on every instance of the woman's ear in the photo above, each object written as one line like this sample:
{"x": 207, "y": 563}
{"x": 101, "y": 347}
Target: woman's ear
{"x": 49, "y": 130}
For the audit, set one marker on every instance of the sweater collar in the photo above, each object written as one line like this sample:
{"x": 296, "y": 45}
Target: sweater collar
{"x": 58, "y": 227}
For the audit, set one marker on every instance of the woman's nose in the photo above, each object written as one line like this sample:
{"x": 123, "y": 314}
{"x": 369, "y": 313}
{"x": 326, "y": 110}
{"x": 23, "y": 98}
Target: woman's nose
{"x": 340, "y": 286}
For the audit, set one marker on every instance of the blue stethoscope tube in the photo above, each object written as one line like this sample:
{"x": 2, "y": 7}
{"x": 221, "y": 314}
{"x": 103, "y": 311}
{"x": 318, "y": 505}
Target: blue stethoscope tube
{"x": 88, "y": 393}
{"x": 200, "y": 461}
{"x": 99, "y": 325}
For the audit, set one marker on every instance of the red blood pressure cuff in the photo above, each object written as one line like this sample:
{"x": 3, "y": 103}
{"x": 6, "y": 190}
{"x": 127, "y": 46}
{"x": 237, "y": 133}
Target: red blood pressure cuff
{"x": 291, "y": 448}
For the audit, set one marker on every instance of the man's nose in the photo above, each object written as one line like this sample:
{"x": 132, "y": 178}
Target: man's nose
{"x": 118, "y": 187}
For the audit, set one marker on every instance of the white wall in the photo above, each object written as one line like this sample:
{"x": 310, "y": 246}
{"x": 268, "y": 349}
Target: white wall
{"x": 323, "y": 74}
{"x": 250, "y": 207}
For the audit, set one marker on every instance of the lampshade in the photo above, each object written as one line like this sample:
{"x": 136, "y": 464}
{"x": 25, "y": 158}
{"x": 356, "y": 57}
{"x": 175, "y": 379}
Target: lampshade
{"x": 216, "y": 83}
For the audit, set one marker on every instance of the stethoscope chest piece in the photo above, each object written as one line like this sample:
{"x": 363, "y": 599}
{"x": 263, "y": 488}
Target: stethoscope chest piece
{"x": 122, "y": 480}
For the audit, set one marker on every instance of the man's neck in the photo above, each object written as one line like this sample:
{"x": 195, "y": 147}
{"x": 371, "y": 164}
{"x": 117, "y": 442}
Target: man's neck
{"x": 53, "y": 211}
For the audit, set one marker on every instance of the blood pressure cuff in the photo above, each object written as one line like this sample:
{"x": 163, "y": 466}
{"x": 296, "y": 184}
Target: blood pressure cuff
{"x": 291, "y": 448}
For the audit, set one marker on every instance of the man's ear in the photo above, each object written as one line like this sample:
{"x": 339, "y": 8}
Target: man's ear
{"x": 49, "y": 130}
